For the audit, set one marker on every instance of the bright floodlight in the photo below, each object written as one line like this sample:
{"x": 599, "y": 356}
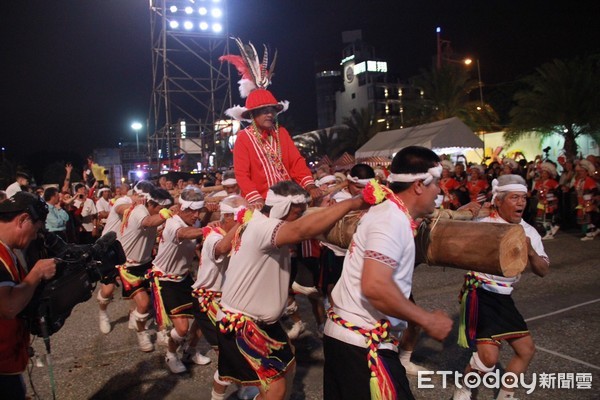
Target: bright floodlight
{"x": 174, "y": 24}
{"x": 202, "y": 11}
{"x": 173, "y": 9}
{"x": 217, "y": 27}
{"x": 438, "y": 29}
{"x": 216, "y": 13}
{"x": 136, "y": 126}
{"x": 203, "y": 25}
{"x": 188, "y": 25}
{"x": 189, "y": 10}
{"x": 467, "y": 61}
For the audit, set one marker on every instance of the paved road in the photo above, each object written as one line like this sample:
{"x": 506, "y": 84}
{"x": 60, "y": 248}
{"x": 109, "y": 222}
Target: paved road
{"x": 563, "y": 310}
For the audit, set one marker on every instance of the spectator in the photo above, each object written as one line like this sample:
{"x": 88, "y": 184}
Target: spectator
{"x": 57, "y": 219}
{"x": 21, "y": 183}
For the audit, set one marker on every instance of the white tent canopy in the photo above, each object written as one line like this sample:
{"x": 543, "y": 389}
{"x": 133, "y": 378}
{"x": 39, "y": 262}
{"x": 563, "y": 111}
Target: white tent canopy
{"x": 444, "y": 134}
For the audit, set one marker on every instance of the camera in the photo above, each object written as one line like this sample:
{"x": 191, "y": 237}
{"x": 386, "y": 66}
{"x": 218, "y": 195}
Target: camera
{"x": 78, "y": 269}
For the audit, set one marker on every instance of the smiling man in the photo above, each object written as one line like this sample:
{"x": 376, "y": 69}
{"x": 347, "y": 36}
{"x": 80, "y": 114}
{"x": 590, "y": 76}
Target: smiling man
{"x": 496, "y": 316}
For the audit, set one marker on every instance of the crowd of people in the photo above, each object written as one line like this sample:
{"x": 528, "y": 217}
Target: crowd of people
{"x": 560, "y": 196}
{"x": 222, "y": 260}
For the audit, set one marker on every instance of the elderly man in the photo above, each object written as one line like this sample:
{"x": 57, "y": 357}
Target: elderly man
{"x": 21, "y": 217}
{"x": 496, "y": 316}
{"x": 371, "y": 300}
{"x": 253, "y": 347}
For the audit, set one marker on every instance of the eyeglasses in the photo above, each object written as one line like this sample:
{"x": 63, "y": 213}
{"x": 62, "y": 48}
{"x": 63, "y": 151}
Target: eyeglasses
{"x": 267, "y": 110}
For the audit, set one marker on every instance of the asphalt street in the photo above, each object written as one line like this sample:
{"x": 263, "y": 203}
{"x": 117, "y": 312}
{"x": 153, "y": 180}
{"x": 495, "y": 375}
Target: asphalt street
{"x": 562, "y": 310}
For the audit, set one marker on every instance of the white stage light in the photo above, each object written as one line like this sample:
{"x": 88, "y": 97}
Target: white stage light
{"x": 216, "y": 13}
{"x": 216, "y": 27}
{"x": 202, "y": 11}
{"x": 203, "y": 25}
{"x": 174, "y": 24}
{"x": 188, "y": 25}
{"x": 173, "y": 9}
{"x": 189, "y": 10}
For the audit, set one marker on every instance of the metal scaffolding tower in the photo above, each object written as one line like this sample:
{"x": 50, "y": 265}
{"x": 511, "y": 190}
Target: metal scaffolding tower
{"x": 191, "y": 87}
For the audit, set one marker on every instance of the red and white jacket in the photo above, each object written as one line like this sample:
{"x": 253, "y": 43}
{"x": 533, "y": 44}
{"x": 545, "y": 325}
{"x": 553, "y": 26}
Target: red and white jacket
{"x": 257, "y": 164}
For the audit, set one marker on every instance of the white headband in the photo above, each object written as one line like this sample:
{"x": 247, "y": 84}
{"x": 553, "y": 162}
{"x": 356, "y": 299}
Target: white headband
{"x": 280, "y": 205}
{"x": 324, "y": 180}
{"x": 163, "y": 202}
{"x": 194, "y": 205}
{"x": 511, "y": 187}
{"x": 104, "y": 189}
{"x": 354, "y": 179}
{"x": 426, "y": 177}
{"x": 229, "y": 182}
{"x": 139, "y": 192}
{"x": 227, "y": 209}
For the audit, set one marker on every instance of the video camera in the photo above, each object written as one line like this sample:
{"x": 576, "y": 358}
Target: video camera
{"x": 78, "y": 269}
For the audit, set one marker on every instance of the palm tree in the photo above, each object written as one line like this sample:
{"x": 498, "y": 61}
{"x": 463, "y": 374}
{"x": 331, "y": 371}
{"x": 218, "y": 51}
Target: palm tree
{"x": 446, "y": 92}
{"x": 361, "y": 128}
{"x": 331, "y": 141}
{"x": 562, "y": 97}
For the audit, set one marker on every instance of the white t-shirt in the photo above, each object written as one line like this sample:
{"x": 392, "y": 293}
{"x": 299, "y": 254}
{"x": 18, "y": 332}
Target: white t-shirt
{"x": 536, "y": 243}
{"x": 174, "y": 256}
{"x": 102, "y": 205}
{"x": 211, "y": 271}
{"x": 256, "y": 282}
{"x": 383, "y": 234}
{"x": 137, "y": 240}
{"x": 113, "y": 221}
{"x": 89, "y": 209}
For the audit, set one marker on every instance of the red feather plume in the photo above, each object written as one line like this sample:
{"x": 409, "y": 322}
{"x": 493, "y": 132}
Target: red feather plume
{"x": 239, "y": 64}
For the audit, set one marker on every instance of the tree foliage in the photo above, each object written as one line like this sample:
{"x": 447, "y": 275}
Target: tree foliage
{"x": 447, "y": 91}
{"x": 561, "y": 97}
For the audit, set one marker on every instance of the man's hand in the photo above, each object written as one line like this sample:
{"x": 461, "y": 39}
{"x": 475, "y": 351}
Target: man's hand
{"x": 45, "y": 268}
{"x": 256, "y": 205}
{"x": 211, "y": 207}
{"x": 68, "y": 169}
{"x": 315, "y": 192}
{"x": 439, "y": 325}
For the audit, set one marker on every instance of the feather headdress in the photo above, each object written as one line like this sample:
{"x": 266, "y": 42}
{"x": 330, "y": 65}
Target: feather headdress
{"x": 256, "y": 76}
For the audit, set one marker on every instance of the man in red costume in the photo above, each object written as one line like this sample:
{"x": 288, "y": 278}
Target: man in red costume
{"x": 264, "y": 152}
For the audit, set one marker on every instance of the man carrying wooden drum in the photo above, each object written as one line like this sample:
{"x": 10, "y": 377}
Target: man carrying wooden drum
{"x": 488, "y": 297}
{"x": 371, "y": 298}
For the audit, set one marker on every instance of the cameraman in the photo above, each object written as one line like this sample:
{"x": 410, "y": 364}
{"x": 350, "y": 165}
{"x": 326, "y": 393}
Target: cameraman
{"x": 21, "y": 217}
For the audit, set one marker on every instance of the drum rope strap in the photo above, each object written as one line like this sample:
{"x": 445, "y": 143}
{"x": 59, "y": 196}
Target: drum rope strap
{"x": 381, "y": 385}
{"x": 162, "y": 316}
{"x": 255, "y": 345}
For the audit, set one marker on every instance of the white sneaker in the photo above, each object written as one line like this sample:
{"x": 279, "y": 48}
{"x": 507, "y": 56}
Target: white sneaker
{"x": 247, "y": 392}
{"x": 587, "y": 238}
{"x": 311, "y": 291}
{"x": 162, "y": 338}
{"x": 461, "y": 394}
{"x": 104, "y": 322}
{"x": 548, "y": 236}
{"x": 175, "y": 365}
{"x": 413, "y": 369}
{"x": 296, "y": 330}
{"x": 196, "y": 358}
{"x": 554, "y": 229}
{"x": 144, "y": 341}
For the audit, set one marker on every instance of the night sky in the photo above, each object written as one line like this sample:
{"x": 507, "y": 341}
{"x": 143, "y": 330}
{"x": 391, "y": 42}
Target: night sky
{"x": 76, "y": 73}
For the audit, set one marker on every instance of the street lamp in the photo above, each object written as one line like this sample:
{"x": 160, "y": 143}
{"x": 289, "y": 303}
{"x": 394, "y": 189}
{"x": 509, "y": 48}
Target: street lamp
{"x": 136, "y": 126}
{"x": 467, "y": 62}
